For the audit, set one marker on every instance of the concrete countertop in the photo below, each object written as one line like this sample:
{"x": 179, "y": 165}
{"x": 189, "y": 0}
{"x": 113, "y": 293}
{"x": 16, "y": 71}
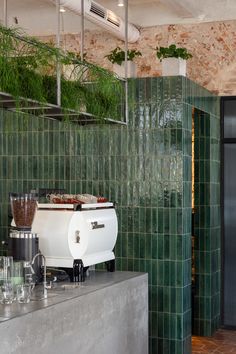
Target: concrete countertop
{"x": 108, "y": 313}
{"x": 61, "y": 292}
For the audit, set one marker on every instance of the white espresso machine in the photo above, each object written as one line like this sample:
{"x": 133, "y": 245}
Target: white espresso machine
{"x": 76, "y": 236}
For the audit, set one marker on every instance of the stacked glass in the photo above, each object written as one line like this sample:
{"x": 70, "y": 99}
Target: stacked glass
{"x": 6, "y": 286}
{"x": 12, "y": 284}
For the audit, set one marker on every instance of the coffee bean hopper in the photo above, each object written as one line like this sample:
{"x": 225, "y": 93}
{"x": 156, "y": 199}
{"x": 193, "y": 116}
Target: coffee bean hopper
{"x": 22, "y": 243}
{"x": 74, "y": 237}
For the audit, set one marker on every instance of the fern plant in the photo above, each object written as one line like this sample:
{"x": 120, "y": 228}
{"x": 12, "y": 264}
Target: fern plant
{"x": 28, "y": 69}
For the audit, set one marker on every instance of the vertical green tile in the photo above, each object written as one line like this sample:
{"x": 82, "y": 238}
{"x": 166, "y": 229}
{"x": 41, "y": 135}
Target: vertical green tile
{"x": 146, "y": 167}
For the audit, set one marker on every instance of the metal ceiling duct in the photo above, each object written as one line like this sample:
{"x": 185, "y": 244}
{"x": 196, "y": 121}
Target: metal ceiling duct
{"x": 104, "y": 18}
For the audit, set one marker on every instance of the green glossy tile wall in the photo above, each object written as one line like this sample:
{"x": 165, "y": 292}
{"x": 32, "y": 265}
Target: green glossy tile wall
{"x": 146, "y": 168}
{"x": 206, "y": 224}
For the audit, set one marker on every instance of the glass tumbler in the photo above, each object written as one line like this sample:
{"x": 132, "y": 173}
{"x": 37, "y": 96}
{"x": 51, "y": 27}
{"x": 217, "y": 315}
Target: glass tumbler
{"x": 6, "y": 268}
{"x": 23, "y": 293}
{"x": 3, "y": 270}
{"x": 18, "y": 273}
{"x": 6, "y": 293}
{"x": 9, "y": 265}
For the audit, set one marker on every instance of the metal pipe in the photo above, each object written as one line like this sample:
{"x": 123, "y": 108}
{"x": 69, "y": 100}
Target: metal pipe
{"x": 5, "y": 15}
{"x": 126, "y": 36}
{"x": 82, "y": 31}
{"x": 58, "y": 68}
{"x": 126, "y": 59}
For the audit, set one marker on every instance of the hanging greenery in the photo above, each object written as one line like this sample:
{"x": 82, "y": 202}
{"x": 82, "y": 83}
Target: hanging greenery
{"x": 28, "y": 69}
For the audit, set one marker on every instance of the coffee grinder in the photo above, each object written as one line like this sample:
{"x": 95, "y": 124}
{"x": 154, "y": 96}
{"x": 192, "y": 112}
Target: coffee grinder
{"x": 23, "y": 245}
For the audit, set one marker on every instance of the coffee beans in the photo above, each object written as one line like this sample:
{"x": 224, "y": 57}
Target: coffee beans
{"x": 23, "y": 208}
{"x": 23, "y": 212}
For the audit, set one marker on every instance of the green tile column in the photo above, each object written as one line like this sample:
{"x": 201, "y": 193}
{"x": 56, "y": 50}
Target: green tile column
{"x": 146, "y": 168}
{"x": 207, "y": 224}
{"x": 159, "y": 238}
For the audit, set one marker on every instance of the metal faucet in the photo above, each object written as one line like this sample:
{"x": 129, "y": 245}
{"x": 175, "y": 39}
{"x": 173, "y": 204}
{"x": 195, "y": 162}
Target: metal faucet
{"x": 45, "y": 291}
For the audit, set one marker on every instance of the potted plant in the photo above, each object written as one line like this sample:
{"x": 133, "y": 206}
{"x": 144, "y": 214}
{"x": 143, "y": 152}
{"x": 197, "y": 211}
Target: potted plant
{"x": 173, "y": 60}
{"x": 117, "y": 58}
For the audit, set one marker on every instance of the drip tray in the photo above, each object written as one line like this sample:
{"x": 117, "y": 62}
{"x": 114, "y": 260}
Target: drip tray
{"x": 39, "y": 297}
{"x": 69, "y": 286}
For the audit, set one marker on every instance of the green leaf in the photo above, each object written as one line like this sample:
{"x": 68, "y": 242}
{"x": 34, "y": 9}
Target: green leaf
{"x": 117, "y": 55}
{"x": 172, "y": 52}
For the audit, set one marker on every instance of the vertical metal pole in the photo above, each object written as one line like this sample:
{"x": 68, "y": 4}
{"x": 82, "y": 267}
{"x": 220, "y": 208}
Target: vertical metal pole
{"x": 126, "y": 50}
{"x": 5, "y": 13}
{"x": 58, "y": 73}
{"x": 82, "y": 31}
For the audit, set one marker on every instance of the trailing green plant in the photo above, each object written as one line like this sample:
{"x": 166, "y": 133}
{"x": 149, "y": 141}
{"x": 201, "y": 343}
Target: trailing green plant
{"x": 28, "y": 69}
{"x": 172, "y": 52}
{"x": 117, "y": 55}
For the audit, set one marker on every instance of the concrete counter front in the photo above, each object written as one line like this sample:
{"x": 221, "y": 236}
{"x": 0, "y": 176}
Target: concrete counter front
{"x": 107, "y": 314}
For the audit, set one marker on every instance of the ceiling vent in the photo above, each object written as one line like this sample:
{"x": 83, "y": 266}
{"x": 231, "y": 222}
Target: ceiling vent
{"x": 98, "y": 10}
{"x": 104, "y": 18}
{"x": 112, "y": 18}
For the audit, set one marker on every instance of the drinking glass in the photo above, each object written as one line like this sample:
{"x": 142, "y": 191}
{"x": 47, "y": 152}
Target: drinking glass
{"x": 3, "y": 270}
{"x": 23, "y": 293}
{"x": 9, "y": 268}
{"x": 6, "y": 293}
{"x": 18, "y": 273}
{"x": 28, "y": 275}
{"x": 6, "y": 268}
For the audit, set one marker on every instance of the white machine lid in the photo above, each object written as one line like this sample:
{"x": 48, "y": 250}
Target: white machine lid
{"x": 71, "y": 206}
